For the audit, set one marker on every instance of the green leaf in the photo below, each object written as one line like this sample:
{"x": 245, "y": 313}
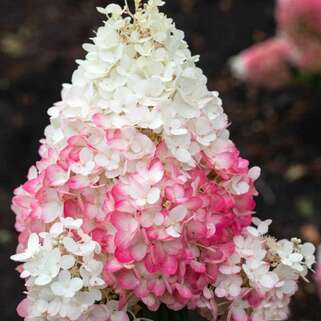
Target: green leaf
{"x": 311, "y": 79}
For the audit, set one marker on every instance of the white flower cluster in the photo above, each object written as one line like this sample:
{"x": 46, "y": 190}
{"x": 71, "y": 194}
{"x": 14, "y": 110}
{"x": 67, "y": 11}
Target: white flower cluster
{"x": 103, "y": 312}
{"x": 139, "y": 72}
{"x": 63, "y": 275}
{"x": 262, "y": 274}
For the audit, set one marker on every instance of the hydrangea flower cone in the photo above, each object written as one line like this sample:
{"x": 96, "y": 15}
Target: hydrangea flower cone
{"x": 140, "y": 196}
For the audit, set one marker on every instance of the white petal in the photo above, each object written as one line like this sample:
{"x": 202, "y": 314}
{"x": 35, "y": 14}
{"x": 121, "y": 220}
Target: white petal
{"x": 177, "y": 214}
{"x": 255, "y": 173}
{"x": 33, "y": 242}
{"x": 153, "y": 195}
{"x": 87, "y": 248}
{"x": 119, "y": 316}
{"x": 76, "y": 284}
{"x": 296, "y": 257}
{"x": 242, "y": 188}
{"x": 269, "y": 280}
{"x": 307, "y": 249}
{"x": 70, "y": 245}
{"x": 71, "y": 223}
{"x": 25, "y": 274}
{"x": 56, "y": 229}
{"x": 183, "y": 155}
{"x": 57, "y": 288}
{"x": 42, "y": 280}
{"x": 51, "y": 211}
{"x": 172, "y": 231}
{"x": 112, "y": 8}
{"x": 67, "y": 262}
{"x": 20, "y": 257}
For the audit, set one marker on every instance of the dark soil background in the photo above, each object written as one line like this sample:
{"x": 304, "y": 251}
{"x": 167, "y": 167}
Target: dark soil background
{"x": 279, "y": 131}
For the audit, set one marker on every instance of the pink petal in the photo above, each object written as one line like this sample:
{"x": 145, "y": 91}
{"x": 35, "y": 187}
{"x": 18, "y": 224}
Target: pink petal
{"x": 151, "y": 302}
{"x": 123, "y": 255}
{"x": 71, "y": 209}
{"x": 104, "y": 240}
{"x": 239, "y": 314}
{"x": 184, "y": 291}
{"x": 56, "y": 176}
{"x": 170, "y": 265}
{"x": 212, "y": 271}
{"x": 142, "y": 290}
{"x": 150, "y": 265}
{"x": 124, "y": 222}
{"x": 139, "y": 251}
{"x": 198, "y": 267}
{"x": 156, "y": 172}
{"x": 126, "y": 226}
{"x": 113, "y": 266}
{"x": 77, "y": 140}
{"x": 22, "y": 201}
{"x": 101, "y": 120}
{"x": 92, "y": 211}
{"x": 78, "y": 182}
{"x": 33, "y": 185}
{"x": 175, "y": 193}
{"x": 127, "y": 280}
{"x": 194, "y": 203}
{"x": 22, "y": 308}
{"x": 157, "y": 287}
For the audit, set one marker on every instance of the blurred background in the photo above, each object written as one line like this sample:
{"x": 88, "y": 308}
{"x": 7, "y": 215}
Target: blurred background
{"x": 277, "y": 130}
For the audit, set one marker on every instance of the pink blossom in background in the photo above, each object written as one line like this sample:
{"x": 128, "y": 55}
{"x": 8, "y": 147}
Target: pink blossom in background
{"x": 297, "y": 44}
{"x": 300, "y": 22}
{"x": 265, "y": 64}
{"x": 299, "y": 16}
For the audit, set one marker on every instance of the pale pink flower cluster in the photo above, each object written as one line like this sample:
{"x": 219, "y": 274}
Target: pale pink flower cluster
{"x": 300, "y": 23}
{"x": 140, "y": 196}
{"x": 264, "y": 64}
{"x": 296, "y": 45}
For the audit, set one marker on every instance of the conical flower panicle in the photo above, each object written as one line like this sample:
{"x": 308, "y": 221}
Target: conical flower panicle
{"x": 141, "y": 197}
{"x": 140, "y": 73}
